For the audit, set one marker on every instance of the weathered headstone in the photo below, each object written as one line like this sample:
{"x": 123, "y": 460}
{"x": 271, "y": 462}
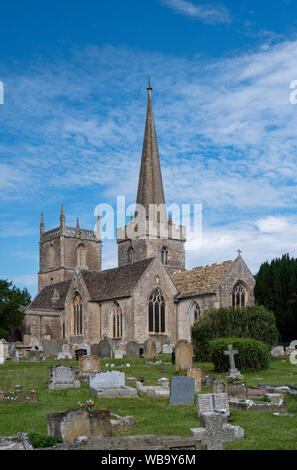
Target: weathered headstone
{"x": 218, "y": 387}
{"x": 183, "y": 355}
{"x": 196, "y": 373}
{"x": 63, "y": 377}
{"x": 33, "y": 355}
{"x": 150, "y": 351}
{"x": 3, "y": 350}
{"x": 51, "y": 348}
{"x": 215, "y": 431}
{"x": 105, "y": 349}
{"x": 15, "y": 355}
{"x": 79, "y": 422}
{"x": 233, "y": 371}
{"x": 167, "y": 348}
{"x": 182, "y": 390}
{"x": 118, "y": 354}
{"x": 110, "y": 384}
{"x": 89, "y": 363}
{"x": 237, "y": 390}
{"x": 66, "y": 353}
{"x": 212, "y": 402}
{"x": 132, "y": 349}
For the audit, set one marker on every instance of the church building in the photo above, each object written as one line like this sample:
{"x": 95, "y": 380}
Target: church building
{"x": 150, "y": 294}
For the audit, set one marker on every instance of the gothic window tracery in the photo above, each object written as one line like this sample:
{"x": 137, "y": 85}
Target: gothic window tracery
{"x": 77, "y": 315}
{"x": 164, "y": 255}
{"x": 239, "y": 295}
{"x": 156, "y": 312}
{"x": 117, "y": 320}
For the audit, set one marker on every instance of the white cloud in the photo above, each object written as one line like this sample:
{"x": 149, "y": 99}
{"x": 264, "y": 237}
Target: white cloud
{"x": 211, "y": 14}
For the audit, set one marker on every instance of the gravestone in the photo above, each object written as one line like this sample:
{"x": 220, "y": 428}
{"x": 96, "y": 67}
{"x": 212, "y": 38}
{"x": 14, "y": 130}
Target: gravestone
{"x": 3, "y": 350}
{"x": 79, "y": 422}
{"x": 182, "y": 390}
{"x": 132, "y": 349}
{"x": 150, "y": 351}
{"x": 15, "y": 355}
{"x": 95, "y": 349}
{"x": 212, "y": 402}
{"x": 66, "y": 353}
{"x": 218, "y": 387}
{"x": 215, "y": 431}
{"x": 237, "y": 390}
{"x": 33, "y": 355}
{"x": 79, "y": 353}
{"x": 196, "y": 373}
{"x": 293, "y": 344}
{"x": 167, "y": 348}
{"x": 110, "y": 384}
{"x": 63, "y": 377}
{"x": 51, "y": 348}
{"x": 183, "y": 355}
{"x": 118, "y": 354}
{"x": 89, "y": 363}
{"x": 233, "y": 371}
{"x": 105, "y": 349}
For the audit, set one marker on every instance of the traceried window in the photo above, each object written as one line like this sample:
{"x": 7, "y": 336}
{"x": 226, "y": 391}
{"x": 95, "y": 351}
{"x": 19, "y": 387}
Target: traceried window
{"x": 81, "y": 255}
{"x": 195, "y": 311}
{"x": 131, "y": 255}
{"x": 239, "y": 295}
{"x": 156, "y": 312}
{"x": 117, "y": 320}
{"x": 77, "y": 315}
{"x": 164, "y": 255}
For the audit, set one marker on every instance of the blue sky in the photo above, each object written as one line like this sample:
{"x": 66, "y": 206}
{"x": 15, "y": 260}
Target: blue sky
{"x": 71, "y": 126}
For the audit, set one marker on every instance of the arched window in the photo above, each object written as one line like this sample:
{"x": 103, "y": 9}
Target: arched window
{"x": 156, "y": 312}
{"x": 81, "y": 255}
{"x": 195, "y": 311}
{"x": 164, "y": 255}
{"x": 117, "y": 320}
{"x": 77, "y": 315}
{"x": 131, "y": 255}
{"x": 239, "y": 295}
{"x": 51, "y": 256}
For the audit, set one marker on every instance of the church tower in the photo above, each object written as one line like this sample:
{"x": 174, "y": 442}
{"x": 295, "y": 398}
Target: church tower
{"x": 64, "y": 248}
{"x": 150, "y": 233}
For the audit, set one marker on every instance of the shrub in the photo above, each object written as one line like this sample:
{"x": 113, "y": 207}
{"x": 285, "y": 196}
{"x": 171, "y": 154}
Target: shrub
{"x": 252, "y": 355}
{"x": 40, "y": 440}
{"x": 250, "y": 322}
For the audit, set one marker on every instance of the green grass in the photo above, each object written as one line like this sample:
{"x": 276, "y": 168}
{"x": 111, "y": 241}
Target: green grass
{"x": 263, "y": 430}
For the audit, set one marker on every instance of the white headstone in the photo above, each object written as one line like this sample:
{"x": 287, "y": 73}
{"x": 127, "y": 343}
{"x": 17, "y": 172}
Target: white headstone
{"x": 107, "y": 379}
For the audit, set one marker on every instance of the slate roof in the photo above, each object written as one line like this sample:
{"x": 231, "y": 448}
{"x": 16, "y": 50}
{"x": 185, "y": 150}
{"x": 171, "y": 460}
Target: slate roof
{"x": 200, "y": 280}
{"x": 43, "y": 298}
{"x": 108, "y": 284}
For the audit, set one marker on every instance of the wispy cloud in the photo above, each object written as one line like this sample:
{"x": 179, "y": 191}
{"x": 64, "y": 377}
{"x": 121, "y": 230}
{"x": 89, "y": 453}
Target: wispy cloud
{"x": 208, "y": 13}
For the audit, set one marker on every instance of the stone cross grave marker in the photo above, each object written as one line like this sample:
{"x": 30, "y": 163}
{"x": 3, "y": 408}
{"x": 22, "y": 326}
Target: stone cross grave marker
{"x": 183, "y": 355}
{"x": 182, "y": 390}
{"x": 233, "y": 371}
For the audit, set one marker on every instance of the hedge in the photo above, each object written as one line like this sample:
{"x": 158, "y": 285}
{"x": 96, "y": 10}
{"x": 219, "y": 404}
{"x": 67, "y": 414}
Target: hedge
{"x": 252, "y": 355}
{"x": 250, "y": 322}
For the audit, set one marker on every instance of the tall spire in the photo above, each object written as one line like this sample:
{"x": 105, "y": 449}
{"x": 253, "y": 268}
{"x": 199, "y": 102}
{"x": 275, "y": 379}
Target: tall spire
{"x": 62, "y": 216}
{"x": 150, "y": 185}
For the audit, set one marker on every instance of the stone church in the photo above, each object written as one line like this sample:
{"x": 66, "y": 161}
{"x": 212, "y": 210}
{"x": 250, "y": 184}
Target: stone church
{"x": 149, "y": 294}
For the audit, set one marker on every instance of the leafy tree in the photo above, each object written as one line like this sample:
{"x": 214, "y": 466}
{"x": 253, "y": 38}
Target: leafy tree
{"x": 276, "y": 289}
{"x": 12, "y": 300}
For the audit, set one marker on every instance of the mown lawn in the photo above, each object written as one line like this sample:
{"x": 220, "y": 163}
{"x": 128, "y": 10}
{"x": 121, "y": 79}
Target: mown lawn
{"x": 262, "y": 430}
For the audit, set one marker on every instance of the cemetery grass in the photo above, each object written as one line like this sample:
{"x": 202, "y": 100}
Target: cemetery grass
{"x": 263, "y": 430}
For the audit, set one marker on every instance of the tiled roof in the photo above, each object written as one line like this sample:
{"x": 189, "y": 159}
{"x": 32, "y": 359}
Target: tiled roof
{"x": 108, "y": 284}
{"x": 114, "y": 283}
{"x": 43, "y": 298}
{"x": 201, "y": 280}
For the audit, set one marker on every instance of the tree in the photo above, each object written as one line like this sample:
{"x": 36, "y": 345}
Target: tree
{"x": 276, "y": 289}
{"x": 12, "y": 300}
